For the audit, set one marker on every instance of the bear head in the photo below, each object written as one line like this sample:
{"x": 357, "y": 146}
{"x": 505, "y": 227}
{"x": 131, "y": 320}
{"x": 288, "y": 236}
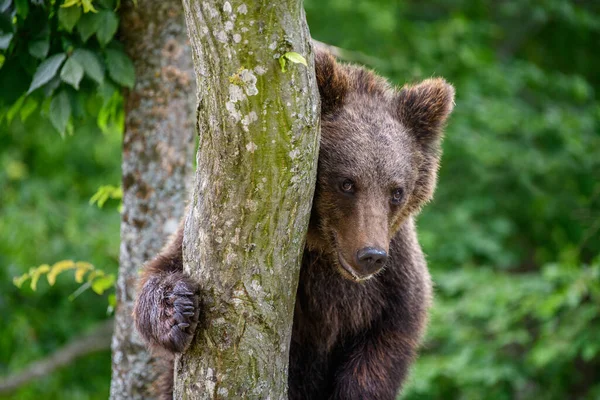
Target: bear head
{"x": 378, "y": 161}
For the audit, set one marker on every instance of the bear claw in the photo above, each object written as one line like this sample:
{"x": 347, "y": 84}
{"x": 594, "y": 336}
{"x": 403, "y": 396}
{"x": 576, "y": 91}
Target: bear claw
{"x": 181, "y": 312}
{"x": 169, "y": 321}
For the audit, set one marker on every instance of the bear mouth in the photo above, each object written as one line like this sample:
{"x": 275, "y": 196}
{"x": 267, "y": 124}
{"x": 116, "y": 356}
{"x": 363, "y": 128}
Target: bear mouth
{"x": 344, "y": 267}
{"x": 347, "y": 268}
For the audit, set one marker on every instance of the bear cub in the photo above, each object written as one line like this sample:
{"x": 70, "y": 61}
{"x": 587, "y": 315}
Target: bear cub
{"x": 364, "y": 289}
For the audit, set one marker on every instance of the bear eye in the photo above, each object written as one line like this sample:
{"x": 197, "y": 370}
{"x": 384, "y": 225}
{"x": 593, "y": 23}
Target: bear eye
{"x": 397, "y": 196}
{"x": 347, "y": 186}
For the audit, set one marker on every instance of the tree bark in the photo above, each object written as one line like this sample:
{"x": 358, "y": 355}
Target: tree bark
{"x": 157, "y": 163}
{"x": 244, "y": 235}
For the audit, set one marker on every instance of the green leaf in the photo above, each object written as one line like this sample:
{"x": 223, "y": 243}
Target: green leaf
{"x": 88, "y": 25}
{"x": 120, "y": 68}
{"x": 106, "y": 192}
{"x": 91, "y": 64}
{"x": 68, "y": 17}
{"x": 22, "y": 8}
{"x": 29, "y": 107}
{"x": 109, "y": 22}
{"x": 112, "y": 300}
{"x": 5, "y": 39}
{"x": 4, "y": 4}
{"x": 60, "y": 111}
{"x": 111, "y": 118}
{"x": 46, "y": 71}
{"x": 112, "y": 303}
{"x": 72, "y": 72}
{"x": 295, "y": 58}
{"x": 51, "y": 86}
{"x": 101, "y": 284}
{"x": 14, "y": 109}
{"x": 39, "y": 48}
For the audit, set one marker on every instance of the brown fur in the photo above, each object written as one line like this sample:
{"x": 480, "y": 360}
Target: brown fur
{"x": 355, "y": 331}
{"x": 166, "y": 311}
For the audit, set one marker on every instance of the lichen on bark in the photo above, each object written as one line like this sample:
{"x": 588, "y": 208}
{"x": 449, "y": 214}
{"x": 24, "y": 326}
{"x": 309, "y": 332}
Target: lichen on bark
{"x": 244, "y": 235}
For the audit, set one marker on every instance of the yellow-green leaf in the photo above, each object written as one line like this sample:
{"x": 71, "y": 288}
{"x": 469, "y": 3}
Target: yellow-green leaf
{"x": 57, "y": 268}
{"x": 35, "y": 275}
{"x": 87, "y": 6}
{"x": 106, "y": 192}
{"x": 112, "y": 304}
{"x": 18, "y": 281}
{"x": 112, "y": 300}
{"x": 70, "y": 3}
{"x": 82, "y": 268}
{"x": 94, "y": 274}
{"x": 103, "y": 283}
{"x": 296, "y": 58}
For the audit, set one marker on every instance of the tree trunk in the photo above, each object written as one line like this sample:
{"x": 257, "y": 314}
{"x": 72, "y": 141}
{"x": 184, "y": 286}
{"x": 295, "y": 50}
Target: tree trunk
{"x": 157, "y": 163}
{"x": 244, "y": 235}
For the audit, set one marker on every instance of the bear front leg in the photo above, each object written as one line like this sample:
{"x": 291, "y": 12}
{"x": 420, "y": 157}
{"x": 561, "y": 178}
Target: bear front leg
{"x": 375, "y": 367}
{"x": 166, "y": 309}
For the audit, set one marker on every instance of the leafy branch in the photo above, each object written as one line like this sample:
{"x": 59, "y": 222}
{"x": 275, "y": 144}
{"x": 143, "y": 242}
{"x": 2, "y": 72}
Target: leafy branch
{"x": 106, "y": 192}
{"x": 75, "y": 65}
{"x": 96, "y": 279}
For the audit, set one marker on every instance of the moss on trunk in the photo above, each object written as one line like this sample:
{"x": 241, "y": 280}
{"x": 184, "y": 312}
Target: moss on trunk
{"x": 244, "y": 237}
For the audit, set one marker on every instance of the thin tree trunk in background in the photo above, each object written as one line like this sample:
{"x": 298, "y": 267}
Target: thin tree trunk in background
{"x": 244, "y": 236}
{"x": 157, "y": 164}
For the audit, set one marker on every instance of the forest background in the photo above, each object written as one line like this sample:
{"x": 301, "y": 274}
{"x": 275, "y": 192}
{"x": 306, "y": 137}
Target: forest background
{"x": 512, "y": 237}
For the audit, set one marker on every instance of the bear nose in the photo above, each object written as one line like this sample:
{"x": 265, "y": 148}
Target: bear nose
{"x": 371, "y": 259}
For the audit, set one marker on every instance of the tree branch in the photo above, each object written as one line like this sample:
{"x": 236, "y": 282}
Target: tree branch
{"x": 96, "y": 340}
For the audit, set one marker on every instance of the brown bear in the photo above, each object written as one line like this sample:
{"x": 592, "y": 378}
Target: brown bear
{"x": 364, "y": 289}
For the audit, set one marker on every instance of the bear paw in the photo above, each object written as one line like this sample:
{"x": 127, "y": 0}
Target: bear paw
{"x": 167, "y": 312}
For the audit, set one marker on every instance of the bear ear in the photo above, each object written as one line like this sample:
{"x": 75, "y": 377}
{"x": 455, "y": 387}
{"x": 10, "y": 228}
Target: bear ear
{"x": 424, "y": 108}
{"x": 332, "y": 80}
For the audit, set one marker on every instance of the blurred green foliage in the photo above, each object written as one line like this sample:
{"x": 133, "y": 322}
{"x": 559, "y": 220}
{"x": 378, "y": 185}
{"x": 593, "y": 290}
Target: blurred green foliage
{"x": 512, "y": 238}
{"x": 61, "y": 70}
{"x": 45, "y": 216}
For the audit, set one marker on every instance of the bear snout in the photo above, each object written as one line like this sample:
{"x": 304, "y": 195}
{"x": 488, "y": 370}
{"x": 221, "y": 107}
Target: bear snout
{"x": 367, "y": 262}
{"x": 370, "y": 260}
